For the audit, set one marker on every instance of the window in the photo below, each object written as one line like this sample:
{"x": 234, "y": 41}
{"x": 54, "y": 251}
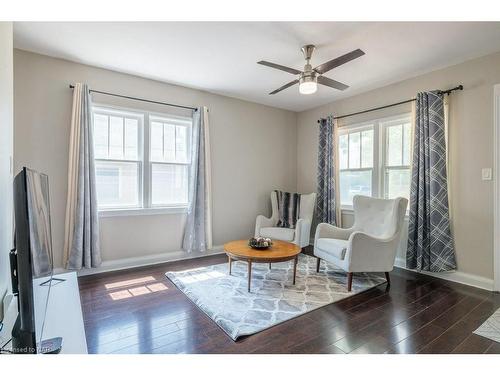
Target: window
{"x": 141, "y": 159}
{"x": 356, "y": 164}
{"x": 374, "y": 159}
{"x": 169, "y": 162}
{"x": 397, "y": 143}
{"x": 118, "y": 158}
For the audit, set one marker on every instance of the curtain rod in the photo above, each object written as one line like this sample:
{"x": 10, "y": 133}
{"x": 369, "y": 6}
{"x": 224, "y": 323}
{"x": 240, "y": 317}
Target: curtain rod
{"x": 139, "y": 99}
{"x": 440, "y": 92}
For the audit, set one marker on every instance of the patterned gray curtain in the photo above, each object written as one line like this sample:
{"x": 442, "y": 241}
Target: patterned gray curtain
{"x": 81, "y": 243}
{"x": 430, "y": 245}
{"x": 325, "y": 203}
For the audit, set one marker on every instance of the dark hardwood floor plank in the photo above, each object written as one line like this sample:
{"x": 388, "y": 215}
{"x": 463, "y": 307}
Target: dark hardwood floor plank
{"x": 457, "y": 333}
{"x": 422, "y": 318}
{"x": 414, "y": 342}
{"x": 473, "y": 344}
{"x": 494, "y": 348}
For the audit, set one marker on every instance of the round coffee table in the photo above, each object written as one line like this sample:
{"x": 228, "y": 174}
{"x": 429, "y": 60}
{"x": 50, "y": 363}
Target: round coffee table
{"x": 280, "y": 251}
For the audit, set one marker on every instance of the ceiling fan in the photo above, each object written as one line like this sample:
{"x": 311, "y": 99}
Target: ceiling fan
{"x": 309, "y": 78}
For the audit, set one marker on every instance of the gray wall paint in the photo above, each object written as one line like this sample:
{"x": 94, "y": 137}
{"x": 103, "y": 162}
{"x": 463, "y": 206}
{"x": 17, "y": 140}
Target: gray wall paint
{"x": 6, "y": 147}
{"x": 253, "y": 151}
{"x": 471, "y": 148}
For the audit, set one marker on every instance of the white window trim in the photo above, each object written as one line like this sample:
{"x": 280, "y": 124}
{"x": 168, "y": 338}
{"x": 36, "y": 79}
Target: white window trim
{"x": 174, "y": 120}
{"x": 379, "y": 150}
{"x": 170, "y": 210}
{"x": 139, "y": 116}
{"x": 145, "y": 117}
{"x": 358, "y": 127}
{"x": 383, "y": 124}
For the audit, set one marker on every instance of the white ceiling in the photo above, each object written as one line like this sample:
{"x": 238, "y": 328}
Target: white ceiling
{"x": 221, "y": 57}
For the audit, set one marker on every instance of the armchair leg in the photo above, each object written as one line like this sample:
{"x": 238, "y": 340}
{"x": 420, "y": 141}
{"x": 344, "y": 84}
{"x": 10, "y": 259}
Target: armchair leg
{"x": 349, "y": 281}
{"x": 388, "y": 278}
{"x": 318, "y": 261}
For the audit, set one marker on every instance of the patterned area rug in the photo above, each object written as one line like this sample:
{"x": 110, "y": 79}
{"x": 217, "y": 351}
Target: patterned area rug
{"x": 491, "y": 327}
{"x": 273, "y": 298}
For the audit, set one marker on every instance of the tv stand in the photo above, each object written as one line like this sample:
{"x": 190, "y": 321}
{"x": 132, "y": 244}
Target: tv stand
{"x": 51, "y": 346}
{"x": 64, "y": 317}
{"x": 49, "y": 281}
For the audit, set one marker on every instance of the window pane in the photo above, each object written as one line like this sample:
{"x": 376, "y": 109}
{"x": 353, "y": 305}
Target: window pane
{"x": 394, "y": 155}
{"x": 169, "y": 142}
{"x": 181, "y": 144}
{"x": 354, "y": 183}
{"x": 397, "y": 183}
{"x": 131, "y": 141}
{"x": 406, "y": 143}
{"x": 100, "y": 136}
{"x": 169, "y": 184}
{"x": 117, "y": 184}
{"x": 367, "y": 149}
{"x": 343, "y": 149}
{"x": 156, "y": 143}
{"x": 116, "y": 137}
{"x": 354, "y": 149}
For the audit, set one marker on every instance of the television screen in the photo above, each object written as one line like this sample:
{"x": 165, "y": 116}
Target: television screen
{"x": 37, "y": 247}
{"x": 37, "y": 186}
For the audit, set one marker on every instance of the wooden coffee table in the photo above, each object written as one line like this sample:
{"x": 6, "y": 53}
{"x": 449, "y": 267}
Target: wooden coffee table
{"x": 281, "y": 251}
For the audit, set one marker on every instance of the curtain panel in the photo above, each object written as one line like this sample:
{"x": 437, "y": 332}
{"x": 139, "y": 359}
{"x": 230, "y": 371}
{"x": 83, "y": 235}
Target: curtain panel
{"x": 81, "y": 237}
{"x": 328, "y": 203}
{"x": 198, "y": 230}
{"x": 430, "y": 244}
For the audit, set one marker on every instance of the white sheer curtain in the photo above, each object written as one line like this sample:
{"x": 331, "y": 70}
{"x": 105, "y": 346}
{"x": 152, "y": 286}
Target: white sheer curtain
{"x": 198, "y": 230}
{"x": 81, "y": 236}
{"x": 446, "y": 104}
{"x": 336, "y": 166}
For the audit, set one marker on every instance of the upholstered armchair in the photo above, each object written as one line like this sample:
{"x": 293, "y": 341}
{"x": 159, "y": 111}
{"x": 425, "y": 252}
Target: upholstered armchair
{"x": 266, "y": 226}
{"x": 370, "y": 245}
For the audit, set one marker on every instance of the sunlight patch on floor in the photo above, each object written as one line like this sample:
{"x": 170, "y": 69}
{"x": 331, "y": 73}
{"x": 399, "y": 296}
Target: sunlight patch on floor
{"x": 121, "y": 284}
{"x": 137, "y": 291}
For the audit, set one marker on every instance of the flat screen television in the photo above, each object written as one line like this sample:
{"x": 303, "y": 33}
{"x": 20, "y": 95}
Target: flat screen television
{"x": 31, "y": 261}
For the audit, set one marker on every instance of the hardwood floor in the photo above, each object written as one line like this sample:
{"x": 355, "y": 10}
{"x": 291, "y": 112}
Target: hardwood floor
{"x": 141, "y": 311}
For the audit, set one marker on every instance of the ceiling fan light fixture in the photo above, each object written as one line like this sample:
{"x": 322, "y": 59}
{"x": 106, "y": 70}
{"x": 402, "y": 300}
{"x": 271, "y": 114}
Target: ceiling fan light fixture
{"x": 309, "y": 78}
{"x": 308, "y": 85}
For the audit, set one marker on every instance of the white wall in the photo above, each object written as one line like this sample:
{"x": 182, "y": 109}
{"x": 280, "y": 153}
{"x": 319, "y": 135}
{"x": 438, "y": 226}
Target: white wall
{"x": 253, "y": 152}
{"x": 6, "y": 125}
{"x": 471, "y": 148}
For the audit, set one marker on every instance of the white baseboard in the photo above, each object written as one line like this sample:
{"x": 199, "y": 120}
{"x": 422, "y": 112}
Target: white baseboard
{"x": 456, "y": 276}
{"x": 148, "y": 260}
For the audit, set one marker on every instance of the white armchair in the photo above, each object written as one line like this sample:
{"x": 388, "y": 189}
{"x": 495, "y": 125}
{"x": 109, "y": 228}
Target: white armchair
{"x": 370, "y": 245}
{"x": 266, "y": 226}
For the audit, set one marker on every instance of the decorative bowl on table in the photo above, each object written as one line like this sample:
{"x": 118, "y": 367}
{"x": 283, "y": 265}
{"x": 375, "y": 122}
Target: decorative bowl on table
{"x": 260, "y": 243}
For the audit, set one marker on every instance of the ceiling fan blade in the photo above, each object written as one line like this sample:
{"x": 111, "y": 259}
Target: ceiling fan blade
{"x": 329, "y": 65}
{"x": 284, "y": 87}
{"x": 332, "y": 83}
{"x": 280, "y": 67}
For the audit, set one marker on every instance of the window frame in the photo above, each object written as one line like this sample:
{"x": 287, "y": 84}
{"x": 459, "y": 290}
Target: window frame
{"x": 355, "y": 128}
{"x": 379, "y": 126}
{"x": 384, "y": 124}
{"x": 125, "y": 113}
{"x": 145, "y": 118}
{"x": 177, "y": 121}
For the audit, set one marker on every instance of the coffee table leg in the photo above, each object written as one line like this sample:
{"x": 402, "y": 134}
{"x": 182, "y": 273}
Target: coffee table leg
{"x": 295, "y": 261}
{"x": 249, "y": 274}
{"x": 230, "y": 263}
{"x": 269, "y": 265}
